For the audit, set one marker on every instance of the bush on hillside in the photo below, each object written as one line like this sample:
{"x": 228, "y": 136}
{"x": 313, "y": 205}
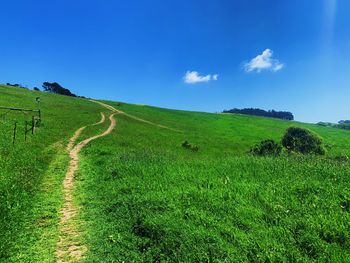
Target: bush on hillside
{"x": 342, "y": 158}
{"x": 303, "y": 141}
{"x": 267, "y": 148}
{"x": 187, "y": 145}
{"x": 344, "y": 126}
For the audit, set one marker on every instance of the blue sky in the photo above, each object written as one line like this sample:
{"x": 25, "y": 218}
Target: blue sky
{"x": 141, "y": 51}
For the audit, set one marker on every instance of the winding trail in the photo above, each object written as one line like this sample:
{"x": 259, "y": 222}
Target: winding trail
{"x": 68, "y": 248}
{"x": 134, "y": 117}
{"x": 103, "y": 118}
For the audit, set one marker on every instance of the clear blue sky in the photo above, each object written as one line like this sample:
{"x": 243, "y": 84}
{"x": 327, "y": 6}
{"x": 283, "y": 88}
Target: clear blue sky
{"x": 140, "y": 51}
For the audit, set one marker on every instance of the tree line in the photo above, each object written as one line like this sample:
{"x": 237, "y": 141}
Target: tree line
{"x": 17, "y": 85}
{"x": 284, "y": 115}
{"x": 53, "y": 87}
{"x": 57, "y": 88}
{"x": 343, "y": 124}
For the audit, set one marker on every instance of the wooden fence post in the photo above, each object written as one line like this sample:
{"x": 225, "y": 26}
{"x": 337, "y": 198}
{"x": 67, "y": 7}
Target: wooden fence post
{"x": 25, "y": 131}
{"x": 33, "y": 124}
{"x": 14, "y": 133}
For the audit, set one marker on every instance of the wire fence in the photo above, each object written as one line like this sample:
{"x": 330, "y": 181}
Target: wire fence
{"x": 22, "y": 125}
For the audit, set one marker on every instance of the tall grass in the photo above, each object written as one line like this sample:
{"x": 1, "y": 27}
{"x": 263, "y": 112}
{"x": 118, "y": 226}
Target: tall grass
{"x": 145, "y": 198}
{"x": 31, "y": 172}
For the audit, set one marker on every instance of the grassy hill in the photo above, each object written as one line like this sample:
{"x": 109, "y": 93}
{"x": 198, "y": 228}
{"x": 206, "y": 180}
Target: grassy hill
{"x": 31, "y": 172}
{"x": 145, "y": 198}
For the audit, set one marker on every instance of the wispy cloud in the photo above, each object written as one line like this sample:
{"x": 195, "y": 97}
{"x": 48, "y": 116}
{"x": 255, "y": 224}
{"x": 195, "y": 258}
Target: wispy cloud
{"x": 264, "y": 61}
{"x": 193, "y": 77}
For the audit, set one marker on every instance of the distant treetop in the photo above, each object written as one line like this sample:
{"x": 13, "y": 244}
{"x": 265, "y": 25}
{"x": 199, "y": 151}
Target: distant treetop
{"x": 57, "y": 88}
{"x": 284, "y": 115}
{"x": 16, "y": 85}
{"x": 343, "y": 124}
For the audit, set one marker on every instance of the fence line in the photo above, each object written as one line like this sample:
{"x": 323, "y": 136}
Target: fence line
{"x": 22, "y": 110}
{"x": 14, "y": 133}
{"x": 29, "y": 126}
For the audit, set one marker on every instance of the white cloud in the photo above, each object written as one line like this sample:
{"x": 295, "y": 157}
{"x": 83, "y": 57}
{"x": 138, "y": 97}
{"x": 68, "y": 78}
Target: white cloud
{"x": 264, "y": 61}
{"x": 193, "y": 77}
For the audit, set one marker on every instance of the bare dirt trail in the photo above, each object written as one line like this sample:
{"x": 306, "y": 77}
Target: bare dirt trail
{"x": 103, "y": 118}
{"x": 134, "y": 117}
{"x": 80, "y": 130}
{"x": 69, "y": 249}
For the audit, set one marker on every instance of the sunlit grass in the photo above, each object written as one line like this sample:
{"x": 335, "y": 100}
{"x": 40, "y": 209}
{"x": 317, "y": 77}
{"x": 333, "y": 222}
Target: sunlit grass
{"x": 31, "y": 172}
{"x": 145, "y": 198}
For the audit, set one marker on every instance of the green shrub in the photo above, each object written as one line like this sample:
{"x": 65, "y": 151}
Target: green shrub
{"x": 187, "y": 145}
{"x": 342, "y": 158}
{"x": 267, "y": 148}
{"x": 303, "y": 141}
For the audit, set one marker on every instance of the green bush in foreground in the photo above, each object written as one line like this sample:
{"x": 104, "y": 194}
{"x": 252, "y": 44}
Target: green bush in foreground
{"x": 303, "y": 141}
{"x": 267, "y": 148}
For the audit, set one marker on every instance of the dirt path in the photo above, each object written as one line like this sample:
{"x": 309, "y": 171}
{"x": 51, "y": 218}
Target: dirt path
{"x": 103, "y": 118}
{"x": 80, "y": 130}
{"x": 134, "y": 117}
{"x": 69, "y": 249}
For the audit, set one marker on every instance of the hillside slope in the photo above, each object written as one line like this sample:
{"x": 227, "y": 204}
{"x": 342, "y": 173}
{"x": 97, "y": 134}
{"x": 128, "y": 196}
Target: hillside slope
{"x": 232, "y": 133}
{"x": 147, "y": 199}
{"x": 32, "y": 171}
{"x": 144, "y": 197}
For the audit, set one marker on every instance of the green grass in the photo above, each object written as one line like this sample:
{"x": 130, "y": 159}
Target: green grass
{"x": 145, "y": 198}
{"x": 232, "y": 133}
{"x": 31, "y": 172}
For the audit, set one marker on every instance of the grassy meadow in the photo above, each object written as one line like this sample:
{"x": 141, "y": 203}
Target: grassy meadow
{"x": 145, "y": 198}
{"x": 31, "y": 172}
